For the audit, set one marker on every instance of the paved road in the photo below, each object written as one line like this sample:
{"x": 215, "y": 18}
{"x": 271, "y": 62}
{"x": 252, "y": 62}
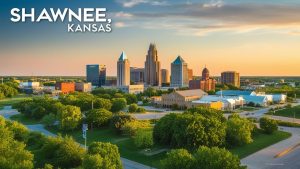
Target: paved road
{"x": 7, "y": 112}
{"x": 264, "y": 159}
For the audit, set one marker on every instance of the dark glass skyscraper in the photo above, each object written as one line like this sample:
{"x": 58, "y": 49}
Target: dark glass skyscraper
{"x": 93, "y": 74}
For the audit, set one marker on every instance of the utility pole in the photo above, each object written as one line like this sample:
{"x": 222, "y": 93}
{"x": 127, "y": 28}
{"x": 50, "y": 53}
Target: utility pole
{"x": 84, "y": 130}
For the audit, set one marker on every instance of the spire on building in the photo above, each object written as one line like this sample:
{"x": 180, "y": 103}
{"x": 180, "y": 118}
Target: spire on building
{"x": 122, "y": 56}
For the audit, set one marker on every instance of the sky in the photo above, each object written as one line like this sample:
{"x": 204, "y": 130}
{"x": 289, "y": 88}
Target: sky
{"x": 253, "y": 37}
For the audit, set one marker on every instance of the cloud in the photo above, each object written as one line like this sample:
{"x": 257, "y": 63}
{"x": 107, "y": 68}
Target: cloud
{"x": 123, "y": 15}
{"x": 120, "y": 25}
{"x": 132, "y": 3}
{"x": 201, "y": 19}
{"x": 214, "y": 4}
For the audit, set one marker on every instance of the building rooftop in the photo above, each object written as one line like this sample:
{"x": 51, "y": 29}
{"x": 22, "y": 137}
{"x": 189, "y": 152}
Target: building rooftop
{"x": 235, "y": 93}
{"x": 189, "y": 93}
{"x": 178, "y": 60}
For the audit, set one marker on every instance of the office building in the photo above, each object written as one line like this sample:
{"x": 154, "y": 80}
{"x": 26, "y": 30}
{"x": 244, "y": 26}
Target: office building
{"x": 92, "y": 74}
{"x": 165, "y": 76}
{"x": 152, "y": 67}
{"x": 83, "y": 87}
{"x": 123, "y": 71}
{"x": 137, "y": 75}
{"x": 190, "y": 74}
{"x": 230, "y": 78}
{"x": 65, "y": 87}
{"x": 102, "y": 75}
{"x": 179, "y": 73}
{"x": 132, "y": 89}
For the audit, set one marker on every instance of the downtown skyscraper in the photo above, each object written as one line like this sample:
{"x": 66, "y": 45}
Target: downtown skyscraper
{"x": 152, "y": 67}
{"x": 179, "y": 73}
{"x": 123, "y": 71}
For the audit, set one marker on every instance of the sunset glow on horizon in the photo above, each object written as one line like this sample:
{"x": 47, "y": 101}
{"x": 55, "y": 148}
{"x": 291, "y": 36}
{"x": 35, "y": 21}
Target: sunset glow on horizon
{"x": 252, "y": 37}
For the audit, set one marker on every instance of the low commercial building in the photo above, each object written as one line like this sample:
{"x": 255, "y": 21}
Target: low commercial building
{"x": 256, "y": 100}
{"x": 228, "y": 103}
{"x": 83, "y": 87}
{"x": 132, "y": 89}
{"x": 65, "y": 87}
{"x": 181, "y": 99}
{"x": 236, "y": 93}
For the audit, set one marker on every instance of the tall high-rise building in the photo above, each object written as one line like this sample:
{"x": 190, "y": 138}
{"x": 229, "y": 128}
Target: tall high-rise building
{"x": 123, "y": 69}
{"x": 165, "y": 76}
{"x": 152, "y": 67}
{"x": 179, "y": 73}
{"x": 190, "y": 73}
{"x": 92, "y": 74}
{"x": 231, "y": 78}
{"x": 102, "y": 75}
{"x": 137, "y": 75}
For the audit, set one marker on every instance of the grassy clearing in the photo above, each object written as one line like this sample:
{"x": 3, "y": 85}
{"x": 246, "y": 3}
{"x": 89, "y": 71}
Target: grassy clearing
{"x": 261, "y": 141}
{"x": 287, "y": 112}
{"x": 24, "y": 120}
{"x": 13, "y": 100}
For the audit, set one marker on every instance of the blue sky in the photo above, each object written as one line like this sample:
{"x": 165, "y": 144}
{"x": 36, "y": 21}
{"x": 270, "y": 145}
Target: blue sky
{"x": 250, "y": 36}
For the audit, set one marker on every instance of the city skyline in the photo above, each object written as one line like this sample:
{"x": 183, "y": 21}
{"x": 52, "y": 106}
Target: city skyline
{"x": 252, "y": 37}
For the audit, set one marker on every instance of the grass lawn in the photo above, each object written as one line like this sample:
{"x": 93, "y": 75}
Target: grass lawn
{"x": 13, "y": 100}
{"x": 126, "y": 145}
{"x": 288, "y": 112}
{"x": 24, "y": 120}
{"x": 261, "y": 141}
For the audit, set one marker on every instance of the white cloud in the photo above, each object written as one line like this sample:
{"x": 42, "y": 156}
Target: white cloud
{"x": 132, "y": 3}
{"x": 214, "y": 4}
{"x": 123, "y": 15}
{"x": 120, "y": 25}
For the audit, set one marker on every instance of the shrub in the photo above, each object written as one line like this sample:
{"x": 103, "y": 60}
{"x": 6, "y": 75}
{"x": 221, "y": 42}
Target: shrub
{"x": 143, "y": 139}
{"x": 238, "y": 131}
{"x": 119, "y": 120}
{"x": 178, "y": 159}
{"x": 268, "y": 125}
{"x": 133, "y": 108}
{"x": 49, "y": 120}
{"x": 130, "y": 128}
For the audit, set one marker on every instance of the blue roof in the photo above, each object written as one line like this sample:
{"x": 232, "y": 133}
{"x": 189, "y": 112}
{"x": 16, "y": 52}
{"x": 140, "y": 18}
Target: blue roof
{"x": 123, "y": 56}
{"x": 178, "y": 60}
{"x": 255, "y": 99}
{"x": 235, "y": 93}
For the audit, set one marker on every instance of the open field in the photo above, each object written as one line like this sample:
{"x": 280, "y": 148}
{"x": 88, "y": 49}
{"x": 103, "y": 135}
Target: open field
{"x": 260, "y": 141}
{"x": 13, "y": 100}
{"x": 288, "y": 112}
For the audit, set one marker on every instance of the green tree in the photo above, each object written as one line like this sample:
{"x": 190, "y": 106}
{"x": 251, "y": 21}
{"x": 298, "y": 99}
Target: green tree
{"x": 49, "y": 120}
{"x": 133, "y": 108}
{"x": 238, "y": 131}
{"x": 69, "y": 117}
{"x": 102, "y": 103}
{"x": 13, "y": 153}
{"x": 143, "y": 139}
{"x": 119, "y": 120}
{"x": 98, "y": 117}
{"x": 109, "y": 153}
{"x": 62, "y": 152}
{"x": 268, "y": 125}
{"x": 93, "y": 162}
{"x": 118, "y": 104}
{"x": 131, "y": 98}
{"x": 178, "y": 159}
{"x": 216, "y": 158}
{"x": 20, "y": 132}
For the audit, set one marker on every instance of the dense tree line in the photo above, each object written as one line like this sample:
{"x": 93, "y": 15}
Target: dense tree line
{"x": 202, "y": 127}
